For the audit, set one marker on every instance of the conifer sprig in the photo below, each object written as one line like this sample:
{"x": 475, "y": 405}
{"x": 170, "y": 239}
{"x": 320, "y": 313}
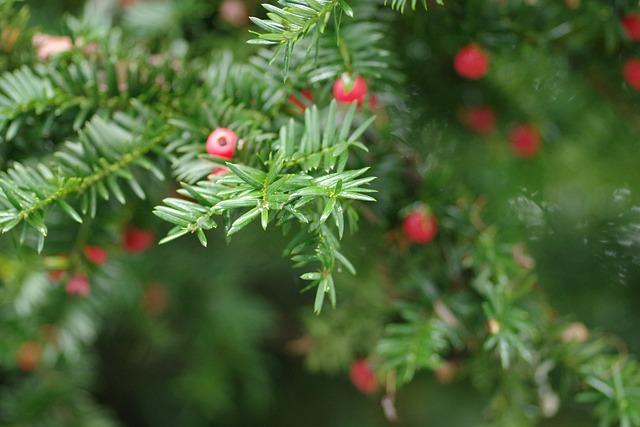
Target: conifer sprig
{"x": 293, "y": 20}
{"x": 304, "y": 180}
{"x": 400, "y": 5}
{"x": 88, "y": 168}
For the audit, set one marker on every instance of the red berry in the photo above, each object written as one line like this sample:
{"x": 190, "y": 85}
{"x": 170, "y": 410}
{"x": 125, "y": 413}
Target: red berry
{"x": 223, "y": 170}
{"x": 374, "y": 102}
{"x": 420, "y": 226}
{"x": 306, "y": 94}
{"x": 222, "y": 143}
{"x": 219, "y": 171}
{"x": 28, "y": 355}
{"x": 136, "y": 240}
{"x": 127, "y": 3}
{"x": 56, "y": 275}
{"x": 631, "y": 73}
{"x": 95, "y": 254}
{"x": 479, "y": 119}
{"x": 363, "y": 377}
{"x": 349, "y": 93}
{"x": 471, "y": 62}
{"x": 525, "y": 140}
{"x": 631, "y": 26}
{"x": 234, "y": 12}
{"x": 78, "y": 285}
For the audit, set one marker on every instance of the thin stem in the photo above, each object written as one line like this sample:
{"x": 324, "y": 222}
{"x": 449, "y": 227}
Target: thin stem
{"x": 89, "y": 181}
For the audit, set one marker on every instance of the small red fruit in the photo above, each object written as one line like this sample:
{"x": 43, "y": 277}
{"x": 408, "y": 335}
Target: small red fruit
{"x": 234, "y": 12}
{"x": 47, "y": 46}
{"x": 363, "y": 377}
{"x": 479, "y": 119}
{"x": 28, "y": 355}
{"x": 420, "y": 226}
{"x": 631, "y": 73}
{"x": 56, "y": 275}
{"x": 525, "y": 140}
{"x": 300, "y": 103}
{"x": 78, "y": 285}
{"x": 219, "y": 171}
{"x": 374, "y": 102}
{"x": 345, "y": 93}
{"x": 471, "y": 62}
{"x": 127, "y": 3}
{"x": 95, "y": 254}
{"x": 631, "y": 26}
{"x": 222, "y": 170}
{"x": 136, "y": 240}
{"x": 222, "y": 143}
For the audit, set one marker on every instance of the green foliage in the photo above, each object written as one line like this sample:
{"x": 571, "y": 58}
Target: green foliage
{"x": 400, "y": 5}
{"x": 413, "y": 345}
{"x": 362, "y": 49}
{"x": 44, "y": 94}
{"x": 305, "y": 180}
{"x": 15, "y": 35}
{"x": 293, "y": 20}
{"x": 613, "y": 389}
{"x": 88, "y": 168}
{"x": 503, "y": 286}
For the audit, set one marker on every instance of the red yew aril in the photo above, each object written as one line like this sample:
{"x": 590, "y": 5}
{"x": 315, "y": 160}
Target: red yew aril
{"x": 631, "y": 73}
{"x": 631, "y": 26}
{"x": 363, "y": 377}
{"x": 136, "y": 240}
{"x": 420, "y": 226}
{"x": 95, "y": 254}
{"x": 300, "y": 103}
{"x": 78, "y": 285}
{"x": 222, "y": 143}
{"x": 525, "y": 140}
{"x": 480, "y": 119}
{"x": 345, "y": 93}
{"x": 471, "y": 62}
{"x": 28, "y": 355}
{"x": 56, "y": 275}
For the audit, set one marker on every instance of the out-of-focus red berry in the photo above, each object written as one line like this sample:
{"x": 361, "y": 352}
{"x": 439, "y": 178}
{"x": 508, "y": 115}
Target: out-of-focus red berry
{"x": 234, "y": 12}
{"x": 95, "y": 254}
{"x": 300, "y": 103}
{"x": 48, "y": 46}
{"x": 136, "y": 240}
{"x": 56, "y": 275}
{"x": 357, "y": 91}
{"x": 222, "y": 170}
{"x": 363, "y": 377}
{"x": 631, "y": 72}
{"x": 525, "y": 140}
{"x": 28, "y": 355}
{"x": 471, "y": 62}
{"x": 480, "y": 119}
{"x": 78, "y": 285}
{"x": 420, "y": 226}
{"x": 631, "y": 26}
{"x": 374, "y": 102}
